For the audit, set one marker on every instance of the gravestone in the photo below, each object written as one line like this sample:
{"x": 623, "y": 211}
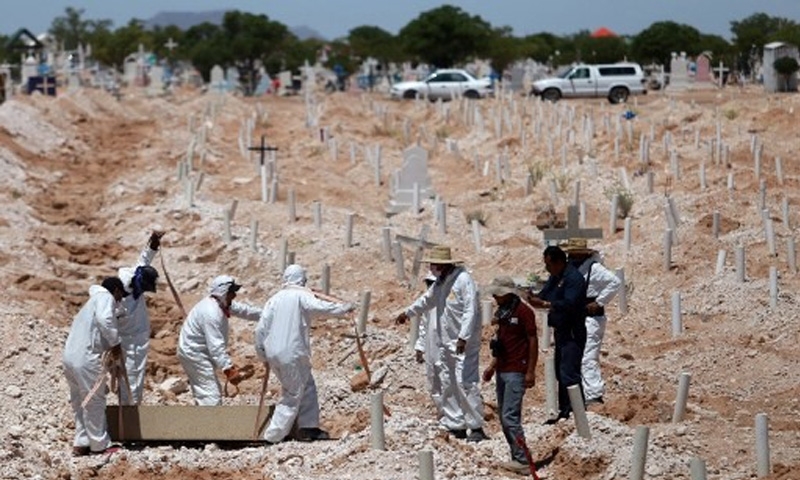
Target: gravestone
{"x": 413, "y": 171}
{"x": 264, "y": 85}
{"x": 129, "y": 71}
{"x": 518, "y": 78}
{"x": 156, "y": 83}
{"x": 73, "y": 81}
{"x": 703, "y": 68}
{"x": 679, "y": 72}
{"x": 285, "y": 83}
{"x": 217, "y": 79}
{"x": 231, "y": 79}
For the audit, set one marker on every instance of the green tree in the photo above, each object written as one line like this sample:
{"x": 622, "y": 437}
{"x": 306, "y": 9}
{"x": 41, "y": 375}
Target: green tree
{"x": 368, "y": 41}
{"x": 503, "y": 49}
{"x": 600, "y": 50}
{"x": 253, "y": 40}
{"x": 446, "y": 36}
{"x": 752, "y": 33}
{"x": 657, "y": 42}
{"x": 786, "y": 67}
{"x": 540, "y": 47}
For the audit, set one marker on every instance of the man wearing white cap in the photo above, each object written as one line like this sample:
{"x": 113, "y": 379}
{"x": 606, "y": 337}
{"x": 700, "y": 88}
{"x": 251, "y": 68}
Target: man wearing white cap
{"x": 203, "y": 342}
{"x": 454, "y": 297}
{"x": 282, "y": 341}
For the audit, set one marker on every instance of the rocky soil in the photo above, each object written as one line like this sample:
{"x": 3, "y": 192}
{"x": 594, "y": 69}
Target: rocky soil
{"x": 86, "y": 178}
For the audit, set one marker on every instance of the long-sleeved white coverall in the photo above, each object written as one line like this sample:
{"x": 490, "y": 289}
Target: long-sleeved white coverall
{"x": 282, "y": 340}
{"x": 134, "y": 331}
{"x": 203, "y": 346}
{"x": 94, "y": 331}
{"x": 455, "y": 301}
{"x": 603, "y": 285}
{"x": 429, "y": 346}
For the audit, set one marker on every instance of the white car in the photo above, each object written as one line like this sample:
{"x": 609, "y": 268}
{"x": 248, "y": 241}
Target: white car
{"x": 444, "y": 84}
{"x": 615, "y": 81}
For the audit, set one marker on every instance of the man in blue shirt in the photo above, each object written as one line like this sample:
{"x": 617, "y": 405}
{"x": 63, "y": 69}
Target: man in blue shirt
{"x": 564, "y": 296}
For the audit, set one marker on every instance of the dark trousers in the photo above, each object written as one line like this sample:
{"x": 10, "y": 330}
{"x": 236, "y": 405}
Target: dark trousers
{"x": 568, "y": 356}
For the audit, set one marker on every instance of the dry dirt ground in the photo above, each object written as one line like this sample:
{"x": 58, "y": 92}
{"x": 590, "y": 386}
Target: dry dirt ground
{"x": 85, "y": 177}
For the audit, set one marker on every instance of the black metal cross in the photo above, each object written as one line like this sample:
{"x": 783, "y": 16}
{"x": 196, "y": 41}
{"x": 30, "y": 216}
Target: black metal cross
{"x": 263, "y": 148}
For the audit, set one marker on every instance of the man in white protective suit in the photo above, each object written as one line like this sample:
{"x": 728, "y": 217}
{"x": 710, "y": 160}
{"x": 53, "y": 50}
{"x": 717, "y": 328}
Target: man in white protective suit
{"x": 602, "y": 286}
{"x": 203, "y": 342}
{"x": 282, "y": 341}
{"x": 426, "y": 350}
{"x": 94, "y": 331}
{"x": 134, "y": 329}
{"x": 457, "y": 330}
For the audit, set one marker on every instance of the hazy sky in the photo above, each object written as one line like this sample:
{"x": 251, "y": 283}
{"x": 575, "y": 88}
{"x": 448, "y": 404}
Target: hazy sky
{"x": 334, "y": 18}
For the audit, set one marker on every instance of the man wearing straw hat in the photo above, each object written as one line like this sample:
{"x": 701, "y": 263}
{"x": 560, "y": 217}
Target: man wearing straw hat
{"x": 564, "y": 296}
{"x": 457, "y": 331}
{"x": 602, "y": 286}
{"x": 514, "y": 355}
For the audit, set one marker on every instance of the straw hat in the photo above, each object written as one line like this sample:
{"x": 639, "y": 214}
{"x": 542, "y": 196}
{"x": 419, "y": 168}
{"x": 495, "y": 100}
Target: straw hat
{"x": 440, "y": 255}
{"x": 577, "y": 246}
{"x": 501, "y": 286}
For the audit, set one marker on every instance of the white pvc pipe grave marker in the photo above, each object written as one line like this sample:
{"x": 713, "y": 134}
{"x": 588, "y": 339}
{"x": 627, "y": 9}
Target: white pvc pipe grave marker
{"x": 227, "y": 225}
{"x": 317, "y": 209}
{"x": 363, "y": 313}
{"x": 425, "y": 465}
{"x": 740, "y": 263}
{"x": 762, "y": 445}
{"x": 612, "y": 221}
{"x": 627, "y": 234}
{"x": 325, "y": 281}
{"x": 785, "y": 213}
{"x": 476, "y": 235}
{"x": 254, "y": 234}
{"x": 622, "y": 296}
{"x": 348, "y": 238}
{"x": 376, "y": 437}
{"x": 698, "y": 468}
{"x": 773, "y": 287}
{"x": 386, "y": 243}
{"x": 667, "y": 247}
{"x": 487, "y": 311}
{"x": 398, "y": 261}
{"x": 551, "y": 387}
{"x": 791, "y": 255}
{"x": 721, "y": 254}
{"x": 639, "y": 456}
{"x": 683, "y": 395}
{"x": 292, "y": 206}
{"x": 769, "y": 232}
{"x": 715, "y": 224}
{"x": 579, "y": 411}
{"x": 677, "y": 325}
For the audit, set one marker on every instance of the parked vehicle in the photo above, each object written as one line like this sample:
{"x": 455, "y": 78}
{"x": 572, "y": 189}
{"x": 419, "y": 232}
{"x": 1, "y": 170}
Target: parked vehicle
{"x": 614, "y": 81}
{"x": 444, "y": 84}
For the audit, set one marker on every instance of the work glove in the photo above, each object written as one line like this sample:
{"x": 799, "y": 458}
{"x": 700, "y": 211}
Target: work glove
{"x": 401, "y": 318}
{"x": 155, "y": 240}
{"x": 232, "y": 374}
{"x": 419, "y": 356}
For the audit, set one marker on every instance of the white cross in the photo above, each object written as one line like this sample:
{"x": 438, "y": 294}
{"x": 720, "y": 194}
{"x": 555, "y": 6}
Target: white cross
{"x": 573, "y": 229}
{"x": 170, "y": 44}
{"x": 720, "y": 71}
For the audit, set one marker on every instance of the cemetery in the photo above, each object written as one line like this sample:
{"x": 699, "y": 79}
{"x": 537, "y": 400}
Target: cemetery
{"x": 691, "y": 193}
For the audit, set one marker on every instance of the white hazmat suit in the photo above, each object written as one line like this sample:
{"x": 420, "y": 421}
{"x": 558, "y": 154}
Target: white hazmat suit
{"x": 603, "y": 285}
{"x": 203, "y": 342}
{"x": 454, "y": 298}
{"x": 429, "y": 346}
{"x": 282, "y": 340}
{"x": 134, "y": 331}
{"x": 94, "y": 330}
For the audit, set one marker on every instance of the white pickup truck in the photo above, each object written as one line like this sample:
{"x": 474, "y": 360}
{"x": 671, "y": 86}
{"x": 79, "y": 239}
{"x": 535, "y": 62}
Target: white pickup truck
{"x": 615, "y": 81}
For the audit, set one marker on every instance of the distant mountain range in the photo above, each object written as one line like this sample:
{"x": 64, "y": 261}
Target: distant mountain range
{"x": 185, "y": 20}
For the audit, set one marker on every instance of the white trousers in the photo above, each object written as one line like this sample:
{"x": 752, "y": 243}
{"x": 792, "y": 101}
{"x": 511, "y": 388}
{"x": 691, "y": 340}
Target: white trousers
{"x": 462, "y": 404}
{"x": 90, "y": 422}
{"x": 202, "y": 379}
{"x": 298, "y": 400}
{"x": 136, "y": 350}
{"x": 593, "y": 384}
{"x": 433, "y": 373}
